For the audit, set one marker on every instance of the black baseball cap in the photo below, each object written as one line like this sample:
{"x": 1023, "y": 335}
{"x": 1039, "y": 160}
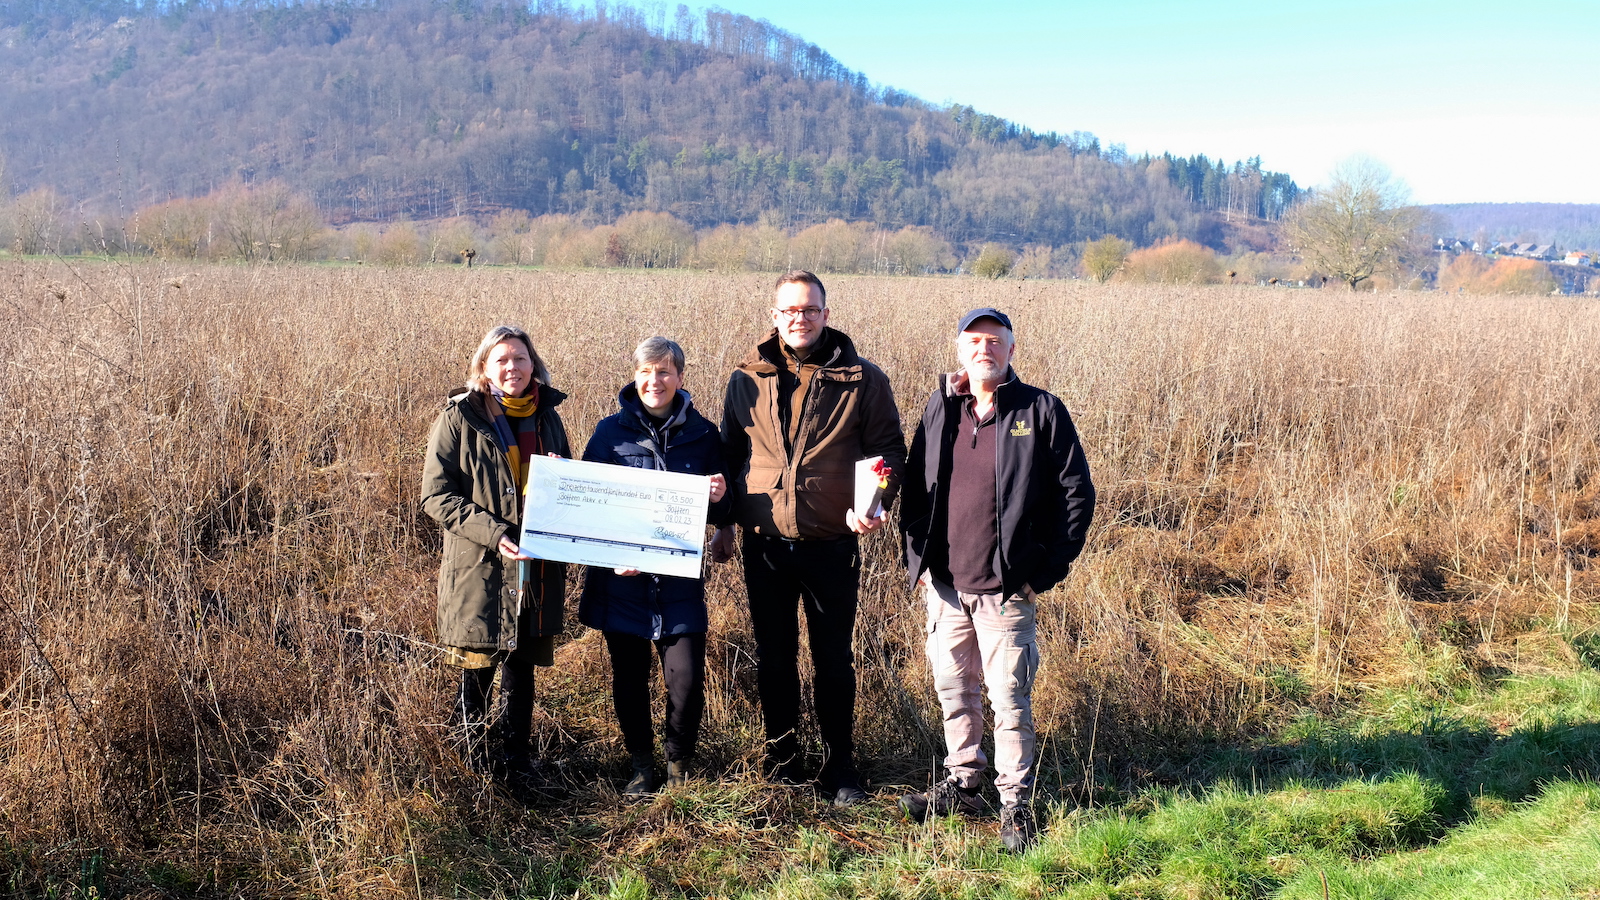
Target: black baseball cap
{"x": 986, "y": 312}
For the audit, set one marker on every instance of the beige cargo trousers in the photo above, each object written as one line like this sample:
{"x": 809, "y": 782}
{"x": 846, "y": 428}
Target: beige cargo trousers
{"x": 992, "y": 636}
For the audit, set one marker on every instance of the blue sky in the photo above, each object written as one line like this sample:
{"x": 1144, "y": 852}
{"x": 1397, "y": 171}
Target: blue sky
{"x": 1464, "y": 101}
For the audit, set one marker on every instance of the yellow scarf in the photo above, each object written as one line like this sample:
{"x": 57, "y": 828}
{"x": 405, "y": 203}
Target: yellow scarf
{"x": 518, "y": 408}
{"x": 521, "y": 407}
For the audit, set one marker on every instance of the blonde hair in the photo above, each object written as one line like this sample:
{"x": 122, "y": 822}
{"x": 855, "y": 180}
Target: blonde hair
{"x": 477, "y": 381}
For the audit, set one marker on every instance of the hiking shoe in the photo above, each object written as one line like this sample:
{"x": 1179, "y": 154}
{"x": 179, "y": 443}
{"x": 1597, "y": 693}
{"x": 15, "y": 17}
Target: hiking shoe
{"x": 942, "y": 799}
{"x": 845, "y": 790}
{"x": 643, "y": 782}
{"x": 677, "y": 773}
{"x": 1017, "y": 828}
{"x": 840, "y": 783}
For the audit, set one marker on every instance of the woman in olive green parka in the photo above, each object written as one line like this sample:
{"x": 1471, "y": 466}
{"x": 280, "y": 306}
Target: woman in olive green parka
{"x": 498, "y": 607}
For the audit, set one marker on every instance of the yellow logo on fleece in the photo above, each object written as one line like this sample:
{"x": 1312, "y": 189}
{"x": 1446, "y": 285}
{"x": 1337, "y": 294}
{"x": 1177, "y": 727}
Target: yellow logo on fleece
{"x": 1021, "y": 429}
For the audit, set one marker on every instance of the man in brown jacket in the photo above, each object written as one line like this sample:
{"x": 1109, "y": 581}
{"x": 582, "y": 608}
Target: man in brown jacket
{"x": 801, "y": 409}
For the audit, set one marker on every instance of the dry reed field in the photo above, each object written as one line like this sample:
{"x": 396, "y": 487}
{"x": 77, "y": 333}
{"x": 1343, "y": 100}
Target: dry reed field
{"x": 218, "y": 583}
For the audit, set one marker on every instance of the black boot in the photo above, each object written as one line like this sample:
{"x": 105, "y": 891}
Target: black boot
{"x": 468, "y": 717}
{"x": 677, "y": 773}
{"x": 840, "y": 784}
{"x": 643, "y": 782}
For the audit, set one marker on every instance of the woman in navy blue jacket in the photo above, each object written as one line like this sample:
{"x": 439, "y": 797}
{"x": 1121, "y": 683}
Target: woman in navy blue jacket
{"x": 657, "y": 428}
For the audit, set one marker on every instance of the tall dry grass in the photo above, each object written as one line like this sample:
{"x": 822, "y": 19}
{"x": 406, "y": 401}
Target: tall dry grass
{"x": 218, "y": 584}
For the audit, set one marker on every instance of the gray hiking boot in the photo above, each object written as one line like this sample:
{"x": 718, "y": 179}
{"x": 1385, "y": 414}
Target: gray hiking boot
{"x": 941, "y": 800}
{"x": 1017, "y": 826}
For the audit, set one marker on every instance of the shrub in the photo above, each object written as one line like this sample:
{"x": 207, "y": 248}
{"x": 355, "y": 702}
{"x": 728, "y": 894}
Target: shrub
{"x": 36, "y": 221}
{"x": 994, "y": 261}
{"x": 1172, "y": 262}
{"x": 176, "y": 229}
{"x": 545, "y": 235}
{"x": 449, "y": 240}
{"x": 1036, "y": 261}
{"x": 725, "y": 248}
{"x": 267, "y": 222}
{"x": 916, "y": 251}
{"x": 1517, "y": 276}
{"x": 508, "y": 237}
{"x": 1102, "y": 258}
{"x": 582, "y": 248}
{"x": 1251, "y": 267}
{"x": 1474, "y": 274}
{"x": 1463, "y": 272}
{"x": 399, "y": 245}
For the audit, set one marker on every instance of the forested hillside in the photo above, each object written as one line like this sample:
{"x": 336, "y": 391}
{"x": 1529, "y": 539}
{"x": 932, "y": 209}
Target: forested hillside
{"x": 418, "y": 109}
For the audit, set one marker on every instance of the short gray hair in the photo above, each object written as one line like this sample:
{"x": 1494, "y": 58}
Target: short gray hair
{"x": 656, "y": 349}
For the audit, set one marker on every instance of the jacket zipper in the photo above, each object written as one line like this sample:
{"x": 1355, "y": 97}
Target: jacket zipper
{"x": 802, "y": 436}
{"x": 999, "y": 513}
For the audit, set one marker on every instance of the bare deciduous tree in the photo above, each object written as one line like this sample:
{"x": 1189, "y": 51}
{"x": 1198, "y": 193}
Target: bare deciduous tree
{"x": 36, "y": 221}
{"x": 268, "y": 221}
{"x": 1355, "y": 227}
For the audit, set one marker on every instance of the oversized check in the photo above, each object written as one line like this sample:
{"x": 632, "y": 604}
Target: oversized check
{"x": 618, "y": 516}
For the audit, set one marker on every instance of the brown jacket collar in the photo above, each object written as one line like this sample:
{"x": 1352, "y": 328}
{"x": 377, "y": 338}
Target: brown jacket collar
{"x": 834, "y": 351}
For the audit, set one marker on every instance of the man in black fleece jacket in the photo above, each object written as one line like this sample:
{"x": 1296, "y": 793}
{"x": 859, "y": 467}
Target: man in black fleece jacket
{"x": 995, "y": 505}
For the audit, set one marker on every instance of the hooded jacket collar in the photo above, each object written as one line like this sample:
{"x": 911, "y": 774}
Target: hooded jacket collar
{"x": 628, "y": 399}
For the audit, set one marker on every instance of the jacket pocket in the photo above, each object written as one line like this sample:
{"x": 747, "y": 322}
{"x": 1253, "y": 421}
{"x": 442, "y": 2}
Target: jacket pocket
{"x": 763, "y": 479}
{"x": 846, "y": 374}
{"x": 461, "y": 555}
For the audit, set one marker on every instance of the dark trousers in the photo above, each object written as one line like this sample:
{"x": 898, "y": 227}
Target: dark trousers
{"x": 683, "y": 667}
{"x": 515, "y": 719}
{"x": 823, "y": 576}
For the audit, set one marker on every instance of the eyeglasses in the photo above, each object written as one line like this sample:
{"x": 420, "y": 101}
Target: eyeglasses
{"x": 809, "y": 313}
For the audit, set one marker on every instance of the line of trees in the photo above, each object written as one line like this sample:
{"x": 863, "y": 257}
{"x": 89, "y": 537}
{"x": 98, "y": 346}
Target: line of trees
{"x": 1243, "y": 190}
{"x": 272, "y": 223}
{"x": 1474, "y": 274}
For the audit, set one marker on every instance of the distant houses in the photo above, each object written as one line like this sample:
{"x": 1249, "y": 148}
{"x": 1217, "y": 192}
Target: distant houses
{"x": 1541, "y": 252}
{"x": 1544, "y": 252}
